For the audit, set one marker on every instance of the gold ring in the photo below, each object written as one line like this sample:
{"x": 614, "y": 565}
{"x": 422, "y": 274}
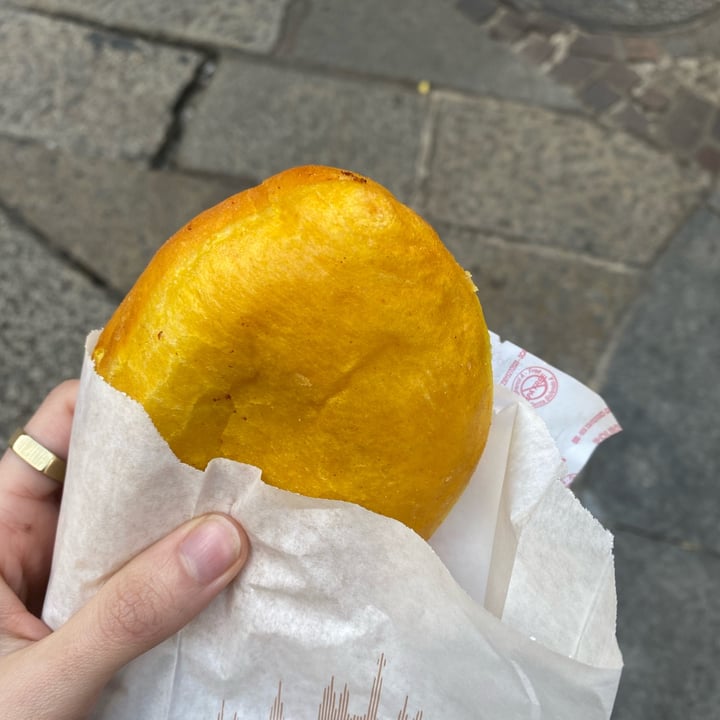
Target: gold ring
{"x": 37, "y": 456}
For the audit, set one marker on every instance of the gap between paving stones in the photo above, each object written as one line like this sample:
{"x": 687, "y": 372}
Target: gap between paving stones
{"x": 429, "y": 146}
{"x": 173, "y": 136}
{"x": 212, "y": 55}
{"x": 215, "y": 54}
{"x": 125, "y": 31}
{"x": 219, "y": 52}
{"x": 84, "y": 206}
{"x": 162, "y": 157}
{"x": 426, "y": 145}
{"x": 252, "y": 25}
{"x": 295, "y": 14}
{"x": 684, "y": 545}
{"x": 551, "y": 150}
{"x": 549, "y": 252}
{"x": 97, "y": 94}
{"x": 19, "y": 220}
{"x": 607, "y": 105}
{"x": 604, "y": 362}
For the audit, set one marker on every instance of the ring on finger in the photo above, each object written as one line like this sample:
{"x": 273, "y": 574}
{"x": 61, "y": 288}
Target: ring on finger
{"x": 37, "y": 455}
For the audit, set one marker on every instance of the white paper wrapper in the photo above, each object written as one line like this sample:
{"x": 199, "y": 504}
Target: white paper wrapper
{"x": 578, "y": 419}
{"x": 342, "y": 614}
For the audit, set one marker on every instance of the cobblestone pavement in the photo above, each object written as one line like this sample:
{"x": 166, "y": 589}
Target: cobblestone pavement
{"x": 570, "y": 163}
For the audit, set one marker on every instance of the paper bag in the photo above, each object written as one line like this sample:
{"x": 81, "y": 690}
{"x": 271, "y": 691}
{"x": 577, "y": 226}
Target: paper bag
{"x": 342, "y": 614}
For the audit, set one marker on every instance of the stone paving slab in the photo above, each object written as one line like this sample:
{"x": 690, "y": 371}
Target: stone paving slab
{"x": 661, "y": 473}
{"x": 252, "y": 25}
{"x": 555, "y": 179}
{"x": 48, "y": 309}
{"x": 86, "y": 90}
{"x": 111, "y": 215}
{"x": 256, "y": 119}
{"x": 434, "y": 40}
{"x": 525, "y": 290}
{"x": 668, "y": 630}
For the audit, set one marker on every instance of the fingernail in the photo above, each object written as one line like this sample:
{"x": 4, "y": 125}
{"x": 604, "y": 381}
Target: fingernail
{"x": 211, "y": 548}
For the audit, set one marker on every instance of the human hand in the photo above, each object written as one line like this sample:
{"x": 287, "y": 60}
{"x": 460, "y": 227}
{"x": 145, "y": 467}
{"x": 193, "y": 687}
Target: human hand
{"x": 48, "y": 675}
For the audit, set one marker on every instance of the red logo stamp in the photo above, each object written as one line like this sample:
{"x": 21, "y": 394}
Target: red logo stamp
{"x": 537, "y": 385}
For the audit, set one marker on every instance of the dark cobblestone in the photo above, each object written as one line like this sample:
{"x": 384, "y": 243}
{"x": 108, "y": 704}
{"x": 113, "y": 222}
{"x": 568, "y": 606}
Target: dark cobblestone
{"x": 653, "y": 99}
{"x": 654, "y": 95}
{"x": 680, "y": 134}
{"x": 575, "y": 71}
{"x": 639, "y": 49}
{"x": 538, "y": 49}
{"x": 546, "y": 24}
{"x": 600, "y": 47}
{"x": 709, "y": 157}
{"x": 509, "y": 28}
{"x": 620, "y": 77}
{"x": 633, "y": 121}
{"x": 716, "y": 127}
{"x": 684, "y": 124}
{"x": 479, "y": 11}
{"x": 714, "y": 200}
{"x": 650, "y": 94}
{"x": 599, "y": 96}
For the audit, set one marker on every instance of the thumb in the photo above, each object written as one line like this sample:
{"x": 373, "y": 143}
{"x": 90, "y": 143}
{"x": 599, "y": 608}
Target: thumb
{"x": 147, "y": 601}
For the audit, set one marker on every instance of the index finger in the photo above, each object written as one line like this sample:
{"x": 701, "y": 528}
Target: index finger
{"x": 50, "y": 426}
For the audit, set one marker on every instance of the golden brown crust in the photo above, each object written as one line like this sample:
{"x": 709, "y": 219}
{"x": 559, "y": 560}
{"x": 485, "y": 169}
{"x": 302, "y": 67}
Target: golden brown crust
{"x": 315, "y": 327}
